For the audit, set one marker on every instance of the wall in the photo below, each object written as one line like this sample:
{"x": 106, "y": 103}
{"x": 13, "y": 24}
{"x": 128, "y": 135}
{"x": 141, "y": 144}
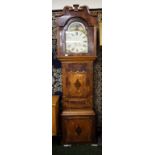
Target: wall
{"x": 59, "y": 4}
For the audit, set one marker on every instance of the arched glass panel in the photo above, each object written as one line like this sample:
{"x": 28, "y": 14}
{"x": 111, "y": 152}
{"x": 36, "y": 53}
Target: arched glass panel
{"x": 76, "y": 38}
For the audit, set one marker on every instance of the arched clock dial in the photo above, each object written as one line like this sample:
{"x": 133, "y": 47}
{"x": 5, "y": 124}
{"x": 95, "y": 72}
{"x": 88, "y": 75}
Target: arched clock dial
{"x": 76, "y": 38}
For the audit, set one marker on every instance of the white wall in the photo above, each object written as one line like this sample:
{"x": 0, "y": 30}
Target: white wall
{"x": 59, "y": 4}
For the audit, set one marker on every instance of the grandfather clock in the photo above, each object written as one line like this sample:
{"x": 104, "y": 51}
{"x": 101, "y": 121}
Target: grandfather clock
{"x": 76, "y": 49}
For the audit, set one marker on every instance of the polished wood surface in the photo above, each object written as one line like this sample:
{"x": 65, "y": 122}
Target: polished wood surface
{"x": 78, "y": 112}
{"x": 74, "y": 14}
{"x": 55, "y": 106}
{"x": 78, "y": 127}
{"x": 78, "y": 116}
{"x": 77, "y": 84}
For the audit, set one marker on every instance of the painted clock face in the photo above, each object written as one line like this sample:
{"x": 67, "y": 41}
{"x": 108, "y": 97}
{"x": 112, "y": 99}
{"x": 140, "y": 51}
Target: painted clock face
{"x": 76, "y": 38}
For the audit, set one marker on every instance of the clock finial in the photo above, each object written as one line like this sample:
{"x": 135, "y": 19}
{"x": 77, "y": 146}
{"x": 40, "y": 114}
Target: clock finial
{"x": 76, "y": 6}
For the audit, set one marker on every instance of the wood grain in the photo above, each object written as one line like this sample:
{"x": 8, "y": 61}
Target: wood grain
{"x": 78, "y": 117}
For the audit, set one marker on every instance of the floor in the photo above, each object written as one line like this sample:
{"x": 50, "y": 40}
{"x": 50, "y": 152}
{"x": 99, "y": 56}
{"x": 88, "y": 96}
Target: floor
{"x": 75, "y": 149}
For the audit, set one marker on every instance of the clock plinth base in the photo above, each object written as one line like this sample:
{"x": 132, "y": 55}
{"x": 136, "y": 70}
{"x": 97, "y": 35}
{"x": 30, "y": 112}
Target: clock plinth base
{"x": 78, "y": 126}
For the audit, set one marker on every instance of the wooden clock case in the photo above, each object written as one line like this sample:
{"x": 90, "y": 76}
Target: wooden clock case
{"x": 78, "y": 116}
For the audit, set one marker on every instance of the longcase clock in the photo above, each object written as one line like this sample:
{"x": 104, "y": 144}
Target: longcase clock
{"x": 76, "y": 49}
